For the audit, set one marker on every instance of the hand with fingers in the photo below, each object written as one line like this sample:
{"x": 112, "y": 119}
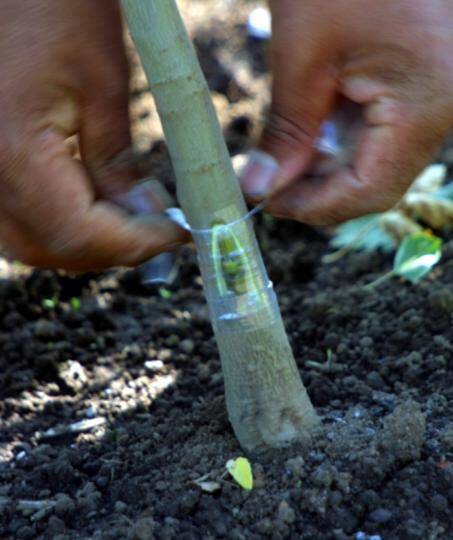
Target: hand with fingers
{"x": 394, "y": 59}
{"x": 64, "y": 72}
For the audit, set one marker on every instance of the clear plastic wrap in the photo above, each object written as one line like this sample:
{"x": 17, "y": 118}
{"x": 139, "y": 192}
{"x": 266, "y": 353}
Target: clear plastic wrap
{"x": 239, "y": 293}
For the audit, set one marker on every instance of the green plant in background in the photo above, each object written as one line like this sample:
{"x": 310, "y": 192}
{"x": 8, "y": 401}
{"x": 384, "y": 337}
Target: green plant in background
{"x": 49, "y": 303}
{"x": 428, "y": 202}
{"x": 267, "y": 403}
{"x": 414, "y": 259}
{"x": 165, "y": 293}
{"x": 75, "y": 303}
{"x": 52, "y": 303}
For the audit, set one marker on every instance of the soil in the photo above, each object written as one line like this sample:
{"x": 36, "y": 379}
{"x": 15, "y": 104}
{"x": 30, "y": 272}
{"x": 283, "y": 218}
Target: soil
{"x": 140, "y": 363}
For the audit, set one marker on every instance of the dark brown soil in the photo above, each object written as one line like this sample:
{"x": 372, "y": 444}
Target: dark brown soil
{"x": 381, "y": 467}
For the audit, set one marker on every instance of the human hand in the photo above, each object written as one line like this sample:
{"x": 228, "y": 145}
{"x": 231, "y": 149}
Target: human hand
{"x": 394, "y": 58}
{"x": 64, "y": 71}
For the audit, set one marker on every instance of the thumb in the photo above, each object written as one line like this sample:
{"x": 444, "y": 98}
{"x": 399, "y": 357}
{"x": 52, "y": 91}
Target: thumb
{"x": 303, "y": 93}
{"x": 54, "y": 221}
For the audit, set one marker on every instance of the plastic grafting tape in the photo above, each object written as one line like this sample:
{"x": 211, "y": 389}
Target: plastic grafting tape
{"x": 238, "y": 291}
{"x": 177, "y": 215}
{"x": 251, "y": 311}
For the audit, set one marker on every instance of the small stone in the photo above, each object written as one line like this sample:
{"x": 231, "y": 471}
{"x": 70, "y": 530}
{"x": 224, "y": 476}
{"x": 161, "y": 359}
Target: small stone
{"x": 264, "y": 527}
{"x": 21, "y": 455}
{"x": 172, "y": 341}
{"x": 88, "y": 497}
{"x": 442, "y": 342}
{"x": 153, "y": 366}
{"x": 370, "y": 498}
{"x": 259, "y": 479}
{"x": 187, "y": 346}
{"x": 322, "y": 477}
{"x": 55, "y": 526}
{"x": 350, "y": 382}
{"x": 120, "y": 506}
{"x": 296, "y": 466}
{"x": 73, "y": 375}
{"x": 164, "y": 354}
{"x": 143, "y": 529}
{"x": 346, "y": 520}
{"x": 438, "y": 503}
{"x": 414, "y": 530}
{"x": 317, "y": 457}
{"x": 26, "y": 533}
{"x": 63, "y": 505}
{"x": 133, "y": 350}
{"x": 188, "y": 502}
{"x": 403, "y": 431}
{"x": 442, "y": 300}
{"x": 380, "y": 515}
{"x": 286, "y": 513}
{"x": 236, "y": 534}
{"x": 414, "y": 322}
{"x": 366, "y": 342}
{"x": 91, "y": 412}
{"x": 335, "y": 498}
{"x": 102, "y": 481}
{"x": 45, "y": 330}
{"x": 375, "y": 380}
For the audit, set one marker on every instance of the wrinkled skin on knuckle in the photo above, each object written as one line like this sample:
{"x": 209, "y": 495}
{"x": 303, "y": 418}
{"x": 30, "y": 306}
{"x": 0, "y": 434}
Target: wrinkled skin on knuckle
{"x": 403, "y": 51}
{"x": 280, "y": 130}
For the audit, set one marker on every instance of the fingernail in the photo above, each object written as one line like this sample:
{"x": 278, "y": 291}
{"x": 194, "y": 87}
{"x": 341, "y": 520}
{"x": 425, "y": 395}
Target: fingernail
{"x": 146, "y": 197}
{"x": 259, "y": 175}
{"x": 172, "y": 234}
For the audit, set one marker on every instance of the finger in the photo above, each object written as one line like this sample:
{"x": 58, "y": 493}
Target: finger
{"x": 105, "y": 139}
{"x": 303, "y": 92}
{"x": 50, "y": 198}
{"x": 148, "y": 196}
{"x": 108, "y": 155}
{"x": 392, "y": 149}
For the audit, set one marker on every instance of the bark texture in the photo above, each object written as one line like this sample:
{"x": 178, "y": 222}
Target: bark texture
{"x": 267, "y": 403}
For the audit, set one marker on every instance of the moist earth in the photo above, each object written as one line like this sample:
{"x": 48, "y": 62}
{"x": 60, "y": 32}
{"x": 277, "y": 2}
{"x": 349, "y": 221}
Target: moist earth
{"x": 134, "y": 369}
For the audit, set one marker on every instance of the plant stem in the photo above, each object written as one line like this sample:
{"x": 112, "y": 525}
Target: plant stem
{"x": 267, "y": 403}
{"x": 339, "y": 253}
{"x": 379, "y": 280}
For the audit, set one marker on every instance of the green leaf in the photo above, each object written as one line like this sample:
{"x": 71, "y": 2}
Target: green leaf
{"x": 75, "y": 303}
{"x": 49, "y": 303}
{"x": 241, "y": 470}
{"x": 165, "y": 293}
{"x": 417, "y": 255}
{"x": 363, "y": 233}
